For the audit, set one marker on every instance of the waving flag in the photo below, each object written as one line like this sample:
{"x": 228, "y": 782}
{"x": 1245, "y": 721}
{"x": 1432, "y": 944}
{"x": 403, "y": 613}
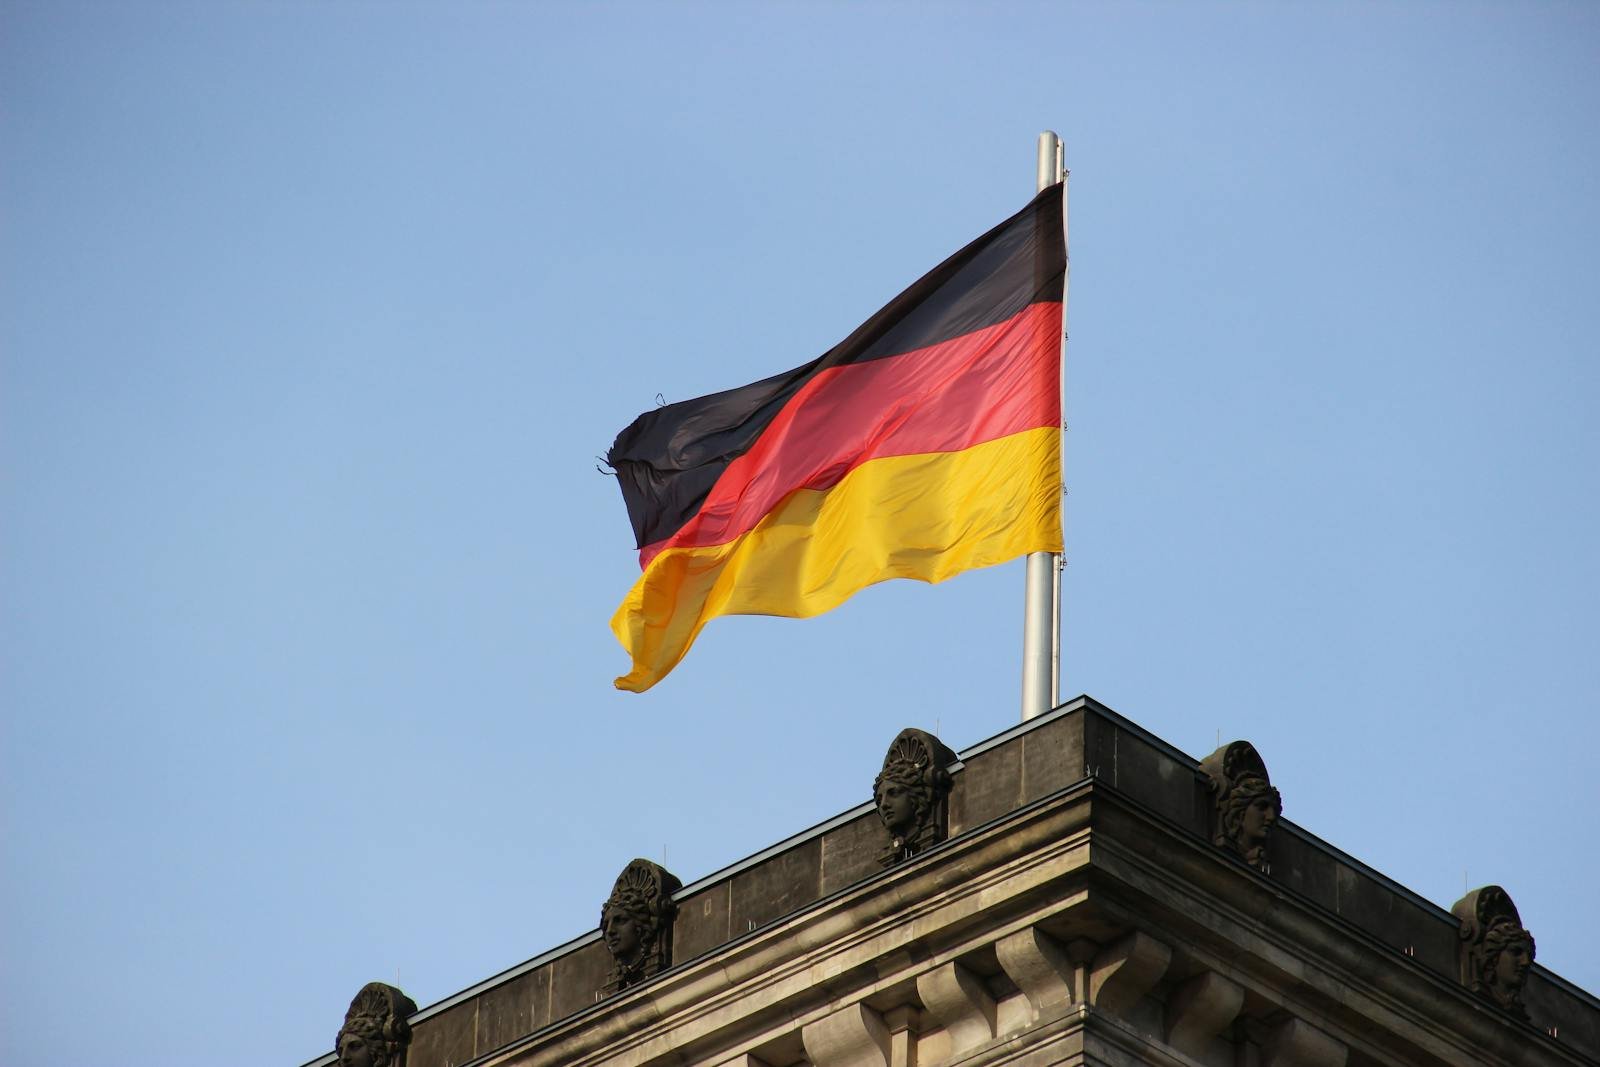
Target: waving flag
{"x": 925, "y": 444}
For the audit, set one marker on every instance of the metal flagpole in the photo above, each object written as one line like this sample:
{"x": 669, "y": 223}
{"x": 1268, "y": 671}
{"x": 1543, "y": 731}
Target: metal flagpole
{"x": 1041, "y": 628}
{"x": 1065, "y": 177}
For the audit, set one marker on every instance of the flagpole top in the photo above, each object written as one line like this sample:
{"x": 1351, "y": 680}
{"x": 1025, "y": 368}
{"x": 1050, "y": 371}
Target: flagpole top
{"x": 1050, "y": 160}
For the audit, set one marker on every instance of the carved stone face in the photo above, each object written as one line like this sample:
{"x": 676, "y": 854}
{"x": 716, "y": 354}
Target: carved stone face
{"x": 1245, "y": 806}
{"x": 1257, "y": 821}
{"x": 1496, "y": 950}
{"x": 1247, "y": 815}
{"x": 1510, "y": 971}
{"x": 897, "y": 807}
{"x": 910, "y": 794}
{"x": 622, "y": 935}
{"x": 636, "y": 923}
{"x": 355, "y": 1052}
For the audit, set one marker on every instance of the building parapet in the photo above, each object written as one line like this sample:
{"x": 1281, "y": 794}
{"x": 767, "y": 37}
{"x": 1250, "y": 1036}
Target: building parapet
{"x": 1078, "y": 874}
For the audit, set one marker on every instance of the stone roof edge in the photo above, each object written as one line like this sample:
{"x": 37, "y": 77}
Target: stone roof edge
{"x": 1289, "y": 825}
{"x": 1079, "y": 703}
{"x": 599, "y": 1008}
{"x": 738, "y": 866}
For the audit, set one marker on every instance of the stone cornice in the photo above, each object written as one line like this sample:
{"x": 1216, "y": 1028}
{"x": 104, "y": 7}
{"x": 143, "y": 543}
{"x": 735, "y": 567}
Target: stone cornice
{"x": 1291, "y": 951}
{"x": 1087, "y": 862}
{"x": 1084, "y": 876}
{"x": 860, "y": 942}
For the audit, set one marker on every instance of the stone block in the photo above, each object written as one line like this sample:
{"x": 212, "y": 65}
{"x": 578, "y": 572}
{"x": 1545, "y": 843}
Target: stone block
{"x": 1038, "y": 965}
{"x": 576, "y": 978}
{"x": 775, "y": 887}
{"x": 1052, "y": 757}
{"x": 446, "y": 1039}
{"x": 853, "y": 1036}
{"x": 1557, "y": 1012}
{"x": 1394, "y": 919}
{"x": 1199, "y": 1011}
{"x": 513, "y": 1009}
{"x": 1296, "y": 1043}
{"x": 1100, "y": 746}
{"x": 1123, "y": 972}
{"x": 1301, "y": 866}
{"x": 702, "y": 923}
{"x": 850, "y": 852}
{"x": 987, "y": 788}
{"x": 1157, "y": 780}
{"x": 957, "y": 998}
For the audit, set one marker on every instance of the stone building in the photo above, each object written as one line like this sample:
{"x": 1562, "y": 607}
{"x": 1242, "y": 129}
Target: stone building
{"x": 1071, "y": 891}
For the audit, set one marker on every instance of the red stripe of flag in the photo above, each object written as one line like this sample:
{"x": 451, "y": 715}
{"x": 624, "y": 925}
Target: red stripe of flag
{"x": 988, "y": 384}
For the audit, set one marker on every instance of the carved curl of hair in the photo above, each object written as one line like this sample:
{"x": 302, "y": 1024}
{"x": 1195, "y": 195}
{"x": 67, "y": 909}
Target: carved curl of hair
{"x": 643, "y": 891}
{"x": 637, "y": 902}
{"x": 1501, "y": 935}
{"x": 915, "y": 779}
{"x": 915, "y": 762}
{"x": 377, "y": 1015}
{"x": 1243, "y": 793}
{"x": 1490, "y": 925}
{"x": 370, "y": 1030}
{"x": 1237, "y": 777}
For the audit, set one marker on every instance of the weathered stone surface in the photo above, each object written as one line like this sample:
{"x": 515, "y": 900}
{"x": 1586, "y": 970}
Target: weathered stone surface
{"x": 853, "y": 1036}
{"x": 1147, "y": 773}
{"x": 704, "y": 921}
{"x": 991, "y": 789}
{"x": 956, "y": 997}
{"x": 783, "y": 883}
{"x": 577, "y": 979}
{"x": 850, "y": 853}
{"x": 444, "y": 1040}
{"x": 1200, "y": 1009}
{"x": 1296, "y": 1043}
{"x": 1393, "y": 918}
{"x": 1312, "y": 872}
{"x": 1122, "y": 973}
{"x": 1038, "y": 965}
{"x": 904, "y": 1024}
{"x": 1052, "y": 757}
{"x": 512, "y": 1009}
{"x": 1550, "y": 1006}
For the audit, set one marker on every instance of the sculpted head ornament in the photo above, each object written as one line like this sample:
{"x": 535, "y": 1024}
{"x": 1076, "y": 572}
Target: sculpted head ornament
{"x": 1496, "y": 949}
{"x": 375, "y": 1031}
{"x": 911, "y": 793}
{"x": 1246, "y": 806}
{"x": 636, "y": 921}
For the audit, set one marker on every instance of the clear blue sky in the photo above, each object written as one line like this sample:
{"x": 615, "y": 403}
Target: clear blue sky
{"x": 313, "y": 318}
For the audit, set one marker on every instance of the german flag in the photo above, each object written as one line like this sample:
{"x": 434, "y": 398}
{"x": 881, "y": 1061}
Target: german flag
{"x": 925, "y": 444}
